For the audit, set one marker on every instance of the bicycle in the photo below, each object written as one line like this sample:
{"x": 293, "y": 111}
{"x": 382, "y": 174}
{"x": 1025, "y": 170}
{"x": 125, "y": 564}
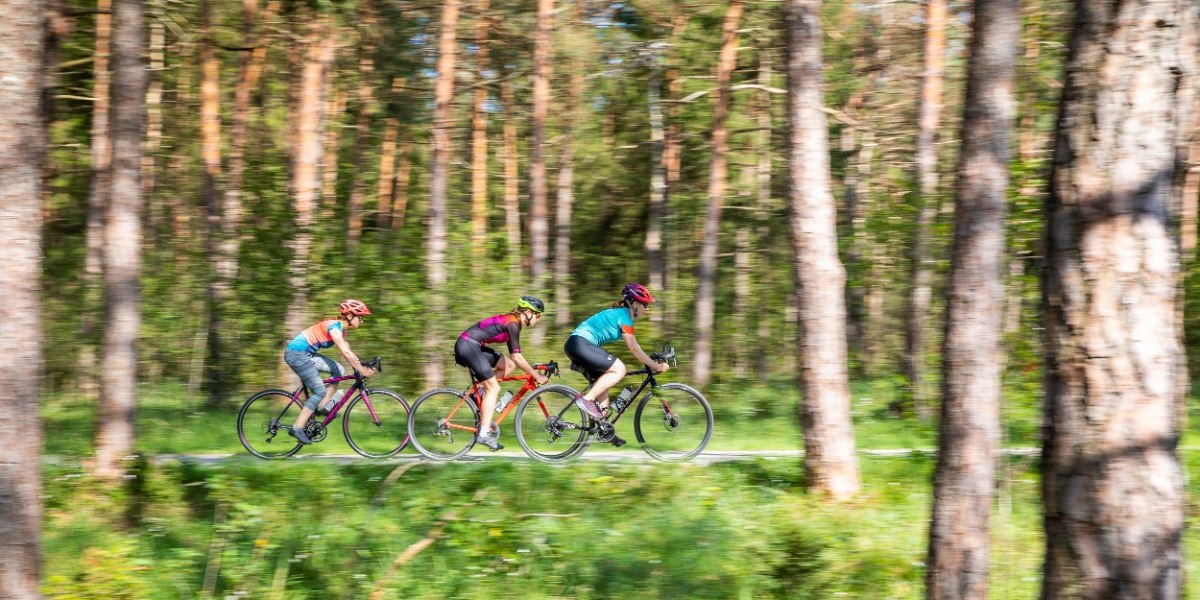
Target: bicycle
{"x": 443, "y": 422}
{"x": 271, "y": 412}
{"x": 673, "y": 422}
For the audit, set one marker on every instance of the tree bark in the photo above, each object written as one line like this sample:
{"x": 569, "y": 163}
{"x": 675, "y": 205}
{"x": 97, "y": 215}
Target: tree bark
{"x": 216, "y": 371}
{"x": 707, "y": 280}
{"x": 1115, "y": 383}
{"x": 539, "y": 227}
{"x": 22, "y": 146}
{"x": 362, "y": 126}
{"x": 920, "y": 282}
{"x": 101, "y": 148}
{"x": 154, "y": 126}
{"x": 964, "y": 483}
{"x": 566, "y": 198}
{"x": 387, "y": 170}
{"x": 829, "y": 459}
{"x": 512, "y": 191}
{"x": 479, "y": 145}
{"x": 436, "y": 249}
{"x": 122, "y": 244}
{"x": 672, "y": 163}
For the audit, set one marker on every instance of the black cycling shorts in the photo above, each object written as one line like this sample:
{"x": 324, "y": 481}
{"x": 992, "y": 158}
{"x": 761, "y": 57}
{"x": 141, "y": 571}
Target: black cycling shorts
{"x": 477, "y": 358}
{"x": 592, "y": 359}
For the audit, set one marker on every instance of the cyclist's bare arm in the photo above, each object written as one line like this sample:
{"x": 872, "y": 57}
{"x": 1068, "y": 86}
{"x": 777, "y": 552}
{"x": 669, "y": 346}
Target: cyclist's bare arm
{"x": 636, "y": 349}
{"x": 525, "y": 366}
{"x": 339, "y": 340}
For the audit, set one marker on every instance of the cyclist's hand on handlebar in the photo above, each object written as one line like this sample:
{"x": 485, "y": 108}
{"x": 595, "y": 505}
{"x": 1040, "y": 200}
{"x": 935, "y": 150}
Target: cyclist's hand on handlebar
{"x": 540, "y": 379}
{"x": 660, "y": 367}
{"x": 366, "y": 372}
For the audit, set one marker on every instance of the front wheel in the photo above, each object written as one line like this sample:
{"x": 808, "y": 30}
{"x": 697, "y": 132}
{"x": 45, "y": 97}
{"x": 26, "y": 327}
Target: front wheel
{"x": 442, "y": 424}
{"x": 382, "y": 435}
{"x": 549, "y": 426}
{"x": 673, "y": 422}
{"x": 263, "y": 424}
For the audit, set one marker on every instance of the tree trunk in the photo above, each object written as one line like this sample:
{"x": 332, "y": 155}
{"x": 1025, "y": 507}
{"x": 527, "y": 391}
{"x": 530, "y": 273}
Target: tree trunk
{"x": 22, "y": 146}
{"x": 1190, "y": 202}
{"x": 566, "y": 197}
{"x": 920, "y": 292}
{"x": 1115, "y": 382}
{"x": 829, "y": 460}
{"x": 706, "y": 286}
{"x": 362, "y": 126}
{"x": 539, "y": 227}
{"x": 318, "y": 53}
{"x": 964, "y": 484}
{"x": 400, "y": 189}
{"x": 436, "y": 250}
{"x": 657, "y": 211}
{"x": 672, "y": 162}
{"x": 154, "y": 127}
{"x": 387, "y": 170}
{"x": 216, "y": 371}
{"x": 512, "y": 191}
{"x": 335, "y": 108}
{"x": 122, "y": 244}
{"x": 97, "y": 195}
{"x": 479, "y": 145}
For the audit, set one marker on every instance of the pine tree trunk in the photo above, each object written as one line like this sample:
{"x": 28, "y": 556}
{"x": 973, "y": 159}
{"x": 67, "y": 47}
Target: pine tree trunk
{"x": 97, "y": 195}
{"x": 387, "y": 170}
{"x": 964, "y": 484}
{"x": 219, "y": 288}
{"x": 479, "y": 145}
{"x": 400, "y": 189}
{"x": 512, "y": 190}
{"x": 22, "y": 146}
{"x": 1191, "y": 192}
{"x": 921, "y": 281}
{"x": 539, "y": 226}
{"x": 657, "y": 211}
{"x": 436, "y": 249}
{"x": 122, "y": 244}
{"x": 362, "y": 126}
{"x": 829, "y": 460}
{"x": 566, "y": 198}
{"x": 706, "y": 286}
{"x": 1112, "y": 482}
{"x": 335, "y": 108}
{"x": 154, "y": 128}
{"x": 672, "y": 163}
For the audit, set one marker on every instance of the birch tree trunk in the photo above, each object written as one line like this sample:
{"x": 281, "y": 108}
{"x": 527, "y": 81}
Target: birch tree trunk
{"x": 539, "y": 227}
{"x": 22, "y": 146}
{"x": 920, "y": 283}
{"x": 829, "y": 459}
{"x": 964, "y": 483}
{"x": 1115, "y": 382}
{"x": 436, "y": 249}
{"x": 122, "y": 244}
{"x": 706, "y": 286}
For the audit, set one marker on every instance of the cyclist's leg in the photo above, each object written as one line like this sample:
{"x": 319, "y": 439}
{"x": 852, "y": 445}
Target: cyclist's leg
{"x": 481, "y": 361}
{"x": 598, "y": 362}
{"x": 491, "y": 387}
{"x": 302, "y": 364}
{"x": 324, "y": 364}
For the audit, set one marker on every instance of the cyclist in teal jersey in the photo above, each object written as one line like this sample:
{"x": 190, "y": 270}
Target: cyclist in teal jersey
{"x": 584, "y": 348}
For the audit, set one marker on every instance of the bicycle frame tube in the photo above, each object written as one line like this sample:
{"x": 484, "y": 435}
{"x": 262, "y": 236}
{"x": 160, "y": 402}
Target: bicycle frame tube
{"x": 516, "y": 399}
{"x": 333, "y": 412}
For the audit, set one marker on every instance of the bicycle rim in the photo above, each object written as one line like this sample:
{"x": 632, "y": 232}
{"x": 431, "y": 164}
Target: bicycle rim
{"x": 442, "y": 424}
{"x": 673, "y": 422}
{"x": 549, "y": 426}
{"x": 263, "y": 423}
{"x": 377, "y": 440}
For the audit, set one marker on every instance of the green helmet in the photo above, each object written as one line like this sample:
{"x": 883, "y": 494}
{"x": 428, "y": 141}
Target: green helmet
{"x": 531, "y": 303}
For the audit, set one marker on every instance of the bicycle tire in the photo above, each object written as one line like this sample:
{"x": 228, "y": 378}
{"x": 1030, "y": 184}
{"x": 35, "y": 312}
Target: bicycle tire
{"x": 547, "y": 417}
{"x": 437, "y": 428}
{"x": 273, "y": 411}
{"x": 689, "y": 413}
{"x": 381, "y": 440}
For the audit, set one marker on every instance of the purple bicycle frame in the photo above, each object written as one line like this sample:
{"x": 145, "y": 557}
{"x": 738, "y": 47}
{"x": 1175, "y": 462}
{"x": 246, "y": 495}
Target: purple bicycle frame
{"x": 333, "y": 412}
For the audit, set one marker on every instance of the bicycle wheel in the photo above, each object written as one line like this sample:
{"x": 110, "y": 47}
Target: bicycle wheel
{"x": 442, "y": 424}
{"x": 673, "y": 422}
{"x": 263, "y": 423}
{"x": 377, "y": 440}
{"x": 549, "y": 426}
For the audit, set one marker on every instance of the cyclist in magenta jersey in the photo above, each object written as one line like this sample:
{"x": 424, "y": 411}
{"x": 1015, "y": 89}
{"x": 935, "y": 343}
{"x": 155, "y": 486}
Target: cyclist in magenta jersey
{"x": 302, "y": 356}
{"x": 472, "y": 351}
{"x": 584, "y": 348}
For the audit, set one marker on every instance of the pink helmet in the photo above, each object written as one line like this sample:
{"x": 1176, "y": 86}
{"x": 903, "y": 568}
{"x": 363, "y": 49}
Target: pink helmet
{"x": 636, "y": 292}
{"x": 351, "y": 306}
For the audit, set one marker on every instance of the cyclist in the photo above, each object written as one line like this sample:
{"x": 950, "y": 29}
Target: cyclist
{"x": 302, "y": 356}
{"x": 472, "y": 351}
{"x": 584, "y": 348}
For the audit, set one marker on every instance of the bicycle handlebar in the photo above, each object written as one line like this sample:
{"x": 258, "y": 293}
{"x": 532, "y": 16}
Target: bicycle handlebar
{"x": 551, "y": 368}
{"x": 667, "y": 355}
{"x": 375, "y": 363}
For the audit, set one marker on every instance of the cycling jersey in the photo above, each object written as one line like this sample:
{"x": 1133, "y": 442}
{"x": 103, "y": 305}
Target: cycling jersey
{"x": 316, "y": 337}
{"x": 496, "y": 329}
{"x": 606, "y": 326}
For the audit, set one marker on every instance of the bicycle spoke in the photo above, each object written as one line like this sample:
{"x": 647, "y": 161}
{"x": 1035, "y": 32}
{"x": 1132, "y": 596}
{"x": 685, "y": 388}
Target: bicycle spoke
{"x": 383, "y": 435}
{"x": 442, "y": 424}
{"x": 549, "y": 426}
{"x": 263, "y": 424}
{"x": 673, "y": 423}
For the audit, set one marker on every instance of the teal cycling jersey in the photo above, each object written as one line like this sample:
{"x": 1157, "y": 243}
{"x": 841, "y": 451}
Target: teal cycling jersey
{"x": 606, "y": 326}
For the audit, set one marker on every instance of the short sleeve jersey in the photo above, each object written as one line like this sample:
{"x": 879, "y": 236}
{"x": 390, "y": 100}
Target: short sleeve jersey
{"x": 606, "y": 326}
{"x": 496, "y": 329}
{"x": 316, "y": 337}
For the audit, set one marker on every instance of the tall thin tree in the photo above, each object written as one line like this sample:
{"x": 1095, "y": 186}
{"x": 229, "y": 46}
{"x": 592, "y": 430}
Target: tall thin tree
{"x": 964, "y": 485}
{"x": 440, "y": 175}
{"x": 479, "y": 145}
{"x": 539, "y": 221}
{"x": 1112, "y": 482}
{"x": 123, "y": 243}
{"x": 22, "y": 143}
{"x": 101, "y": 149}
{"x": 829, "y": 458}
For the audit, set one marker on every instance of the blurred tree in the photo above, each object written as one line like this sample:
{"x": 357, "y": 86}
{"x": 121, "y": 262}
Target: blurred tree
{"x": 101, "y": 150}
{"x": 22, "y": 143}
{"x": 479, "y": 146}
{"x": 122, "y": 244}
{"x": 539, "y": 219}
{"x": 1113, "y": 485}
{"x": 829, "y": 459}
{"x": 970, "y": 410}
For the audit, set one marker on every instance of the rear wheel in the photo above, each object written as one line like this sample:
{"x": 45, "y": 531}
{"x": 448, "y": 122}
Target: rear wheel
{"x": 377, "y": 440}
{"x": 549, "y": 426}
{"x": 263, "y": 424}
{"x": 442, "y": 424}
{"x": 673, "y": 422}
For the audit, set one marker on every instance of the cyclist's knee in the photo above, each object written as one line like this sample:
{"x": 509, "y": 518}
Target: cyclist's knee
{"x": 619, "y": 369}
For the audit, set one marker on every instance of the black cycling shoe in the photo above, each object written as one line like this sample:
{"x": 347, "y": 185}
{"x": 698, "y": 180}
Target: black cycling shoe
{"x": 300, "y": 435}
{"x": 616, "y": 441}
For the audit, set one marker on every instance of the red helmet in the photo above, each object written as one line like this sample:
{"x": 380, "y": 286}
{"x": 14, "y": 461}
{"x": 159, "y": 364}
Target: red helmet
{"x": 351, "y": 306}
{"x": 636, "y": 292}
